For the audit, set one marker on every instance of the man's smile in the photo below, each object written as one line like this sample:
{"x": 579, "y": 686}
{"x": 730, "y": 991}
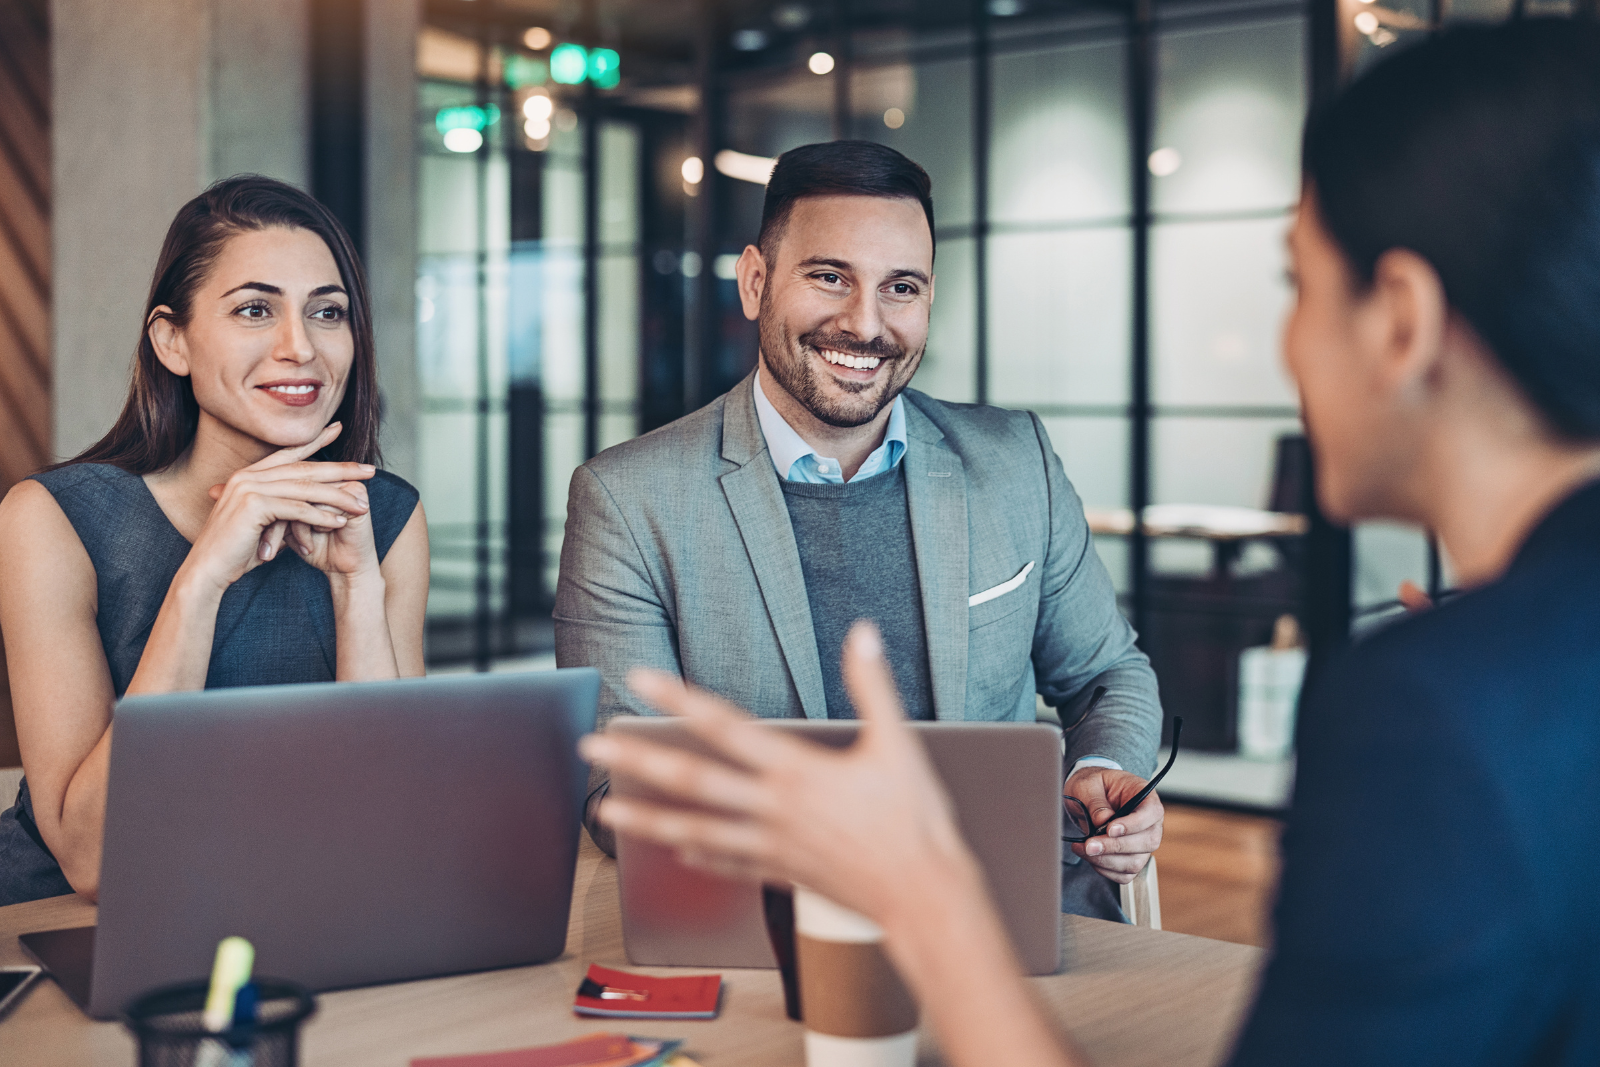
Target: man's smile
{"x": 849, "y": 367}
{"x": 845, "y": 359}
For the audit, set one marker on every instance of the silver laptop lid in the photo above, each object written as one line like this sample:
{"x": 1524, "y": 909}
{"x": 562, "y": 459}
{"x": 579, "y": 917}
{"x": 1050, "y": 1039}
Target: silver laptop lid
{"x": 355, "y": 833}
{"x": 1004, "y": 780}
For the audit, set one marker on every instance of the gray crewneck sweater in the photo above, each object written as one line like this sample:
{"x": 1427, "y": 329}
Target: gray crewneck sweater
{"x": 857, "y": 557}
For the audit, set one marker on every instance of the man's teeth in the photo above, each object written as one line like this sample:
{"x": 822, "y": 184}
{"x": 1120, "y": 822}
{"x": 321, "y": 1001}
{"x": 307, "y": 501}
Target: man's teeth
{"x": 845, "y": 360}
{"x": 293, "y": 390}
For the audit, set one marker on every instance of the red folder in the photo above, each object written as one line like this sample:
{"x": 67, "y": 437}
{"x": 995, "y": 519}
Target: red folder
{"x": 594, "y": 1049}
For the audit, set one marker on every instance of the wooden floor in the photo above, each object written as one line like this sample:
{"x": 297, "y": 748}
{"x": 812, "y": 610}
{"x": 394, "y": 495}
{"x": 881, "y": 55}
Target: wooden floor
{"x": 1218, "y": 871}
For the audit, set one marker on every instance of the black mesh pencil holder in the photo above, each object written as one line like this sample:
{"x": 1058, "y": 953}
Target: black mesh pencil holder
{"x": 168, "y": 1026}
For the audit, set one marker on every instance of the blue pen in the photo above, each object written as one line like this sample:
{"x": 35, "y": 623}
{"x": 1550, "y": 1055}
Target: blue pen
{"x": 244, "y": 1017}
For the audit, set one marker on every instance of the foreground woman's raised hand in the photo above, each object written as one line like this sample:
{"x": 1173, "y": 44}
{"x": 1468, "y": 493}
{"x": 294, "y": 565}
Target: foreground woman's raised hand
{"x": 869, "y": 827}
{"x": 848, "y": 824}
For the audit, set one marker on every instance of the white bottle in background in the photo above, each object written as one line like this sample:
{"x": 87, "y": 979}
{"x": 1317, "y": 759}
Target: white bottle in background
{"x": 1269, "y": 690}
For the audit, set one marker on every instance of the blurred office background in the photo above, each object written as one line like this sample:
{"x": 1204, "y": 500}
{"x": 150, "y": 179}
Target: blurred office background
{"x": 1112, "y": 185}
{"x": 550, "y": 194}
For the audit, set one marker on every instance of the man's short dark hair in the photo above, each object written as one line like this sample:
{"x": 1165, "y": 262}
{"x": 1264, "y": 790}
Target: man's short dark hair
{"x": 839, "y": 168}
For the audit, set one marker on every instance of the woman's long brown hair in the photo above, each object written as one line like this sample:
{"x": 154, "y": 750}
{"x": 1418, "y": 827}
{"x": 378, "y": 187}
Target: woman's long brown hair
{"x": 158, "y": 422}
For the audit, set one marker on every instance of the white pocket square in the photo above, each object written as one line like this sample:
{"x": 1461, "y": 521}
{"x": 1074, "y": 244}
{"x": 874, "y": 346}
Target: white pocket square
{"x": 1002, "y": 589}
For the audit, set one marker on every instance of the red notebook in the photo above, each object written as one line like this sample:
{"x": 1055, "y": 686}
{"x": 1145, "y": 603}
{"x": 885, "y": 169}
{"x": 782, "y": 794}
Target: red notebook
{"x": 620, "y": 995}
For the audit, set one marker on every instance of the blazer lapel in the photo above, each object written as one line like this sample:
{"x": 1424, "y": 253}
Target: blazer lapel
{"x": 936, "y": 493}
{"x": 756, "y": 501}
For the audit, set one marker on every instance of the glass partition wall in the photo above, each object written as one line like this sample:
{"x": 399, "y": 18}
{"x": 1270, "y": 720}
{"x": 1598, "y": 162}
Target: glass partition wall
{"x": 530, "y": 332}
{"x": 1112, "y": 184}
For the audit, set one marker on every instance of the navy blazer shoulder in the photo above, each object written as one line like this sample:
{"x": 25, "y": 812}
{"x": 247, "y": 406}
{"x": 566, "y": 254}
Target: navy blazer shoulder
{"x": 1442, "y": 858}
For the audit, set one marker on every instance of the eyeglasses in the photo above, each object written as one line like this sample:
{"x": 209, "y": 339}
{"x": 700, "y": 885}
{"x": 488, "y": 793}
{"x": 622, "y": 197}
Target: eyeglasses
{"x": 1077, "y": 827}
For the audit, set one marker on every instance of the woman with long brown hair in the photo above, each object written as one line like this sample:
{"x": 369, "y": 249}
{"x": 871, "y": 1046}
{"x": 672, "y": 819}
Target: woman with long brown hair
{"x": 232, "y": 528}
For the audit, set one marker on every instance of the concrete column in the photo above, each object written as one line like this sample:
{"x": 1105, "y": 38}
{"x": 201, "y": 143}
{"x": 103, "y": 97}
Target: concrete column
{"x": 130, "y": 86}
{"x": 152, "y": 102}
{"x": 260, "y": 89}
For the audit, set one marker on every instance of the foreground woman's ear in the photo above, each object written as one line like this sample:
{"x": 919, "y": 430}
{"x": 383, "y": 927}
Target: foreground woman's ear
{"x": 1407, "y": 311}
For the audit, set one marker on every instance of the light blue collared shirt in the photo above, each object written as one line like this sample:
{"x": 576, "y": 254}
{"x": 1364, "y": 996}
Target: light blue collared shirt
{"x": 797, "y": 461}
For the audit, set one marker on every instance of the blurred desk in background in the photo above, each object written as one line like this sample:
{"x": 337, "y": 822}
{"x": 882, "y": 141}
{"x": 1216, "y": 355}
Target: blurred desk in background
{"x": 1128, "y": 996}
{"x": 1227, "y": 528}
{"x": 1196, "y": 625}
{"x": 1213, "y": 522}
{"x": 1228, "y": 780}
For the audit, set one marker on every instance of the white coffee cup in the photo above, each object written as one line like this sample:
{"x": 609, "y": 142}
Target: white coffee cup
{"x": 858, "y": 1013}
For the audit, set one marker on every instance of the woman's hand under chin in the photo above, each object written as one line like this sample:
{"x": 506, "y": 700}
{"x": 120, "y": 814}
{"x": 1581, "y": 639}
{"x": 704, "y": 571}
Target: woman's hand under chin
{"x": 346, "y": 551}
{"x": 261, "y": 505}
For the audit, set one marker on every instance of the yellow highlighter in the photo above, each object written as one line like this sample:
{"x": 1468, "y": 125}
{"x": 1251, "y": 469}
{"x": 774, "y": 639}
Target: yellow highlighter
{"x": 236, "y": 957}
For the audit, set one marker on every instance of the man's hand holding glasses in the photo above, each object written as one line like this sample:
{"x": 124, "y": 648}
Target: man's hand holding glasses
{"x": 1113, "y": 818}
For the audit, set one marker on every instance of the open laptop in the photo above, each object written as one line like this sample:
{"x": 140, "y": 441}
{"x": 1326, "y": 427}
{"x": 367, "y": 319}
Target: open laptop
{"x": 355, "y": 833}
{"x": 1004, "y": 780}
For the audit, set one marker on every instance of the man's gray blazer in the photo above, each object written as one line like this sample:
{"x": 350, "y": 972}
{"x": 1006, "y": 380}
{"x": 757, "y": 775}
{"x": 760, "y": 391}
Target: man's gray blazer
{"x": 679, "y": 555}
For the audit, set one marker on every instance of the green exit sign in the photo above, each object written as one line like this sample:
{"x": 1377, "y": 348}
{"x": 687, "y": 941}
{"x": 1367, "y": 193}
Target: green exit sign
{"x": 466, "y": 118}
{"x": 572, "y": 64}
{"x": 522, "y": 71}
{"x": 605, "y": 68}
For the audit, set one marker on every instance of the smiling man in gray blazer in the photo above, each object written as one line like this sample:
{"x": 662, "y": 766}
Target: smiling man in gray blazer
{"x": 735, "y": 546}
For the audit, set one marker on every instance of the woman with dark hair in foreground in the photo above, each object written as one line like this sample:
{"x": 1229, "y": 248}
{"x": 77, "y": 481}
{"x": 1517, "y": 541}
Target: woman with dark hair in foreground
{"x": 1442, "y": 857}
{"x": 231, "y": 529}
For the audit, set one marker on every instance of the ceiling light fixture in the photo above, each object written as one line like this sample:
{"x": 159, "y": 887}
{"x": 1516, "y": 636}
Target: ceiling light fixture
{"x": 744, "y": 167}
{"x": 1165, "y": 162}
{"x": 463, "y": 139}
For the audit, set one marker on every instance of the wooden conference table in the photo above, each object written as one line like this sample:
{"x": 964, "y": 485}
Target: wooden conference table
{"x": 1127, "y": 995}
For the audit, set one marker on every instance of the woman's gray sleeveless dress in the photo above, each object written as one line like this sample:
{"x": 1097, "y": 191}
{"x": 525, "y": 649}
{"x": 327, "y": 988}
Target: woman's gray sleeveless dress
{"x": 275, "y": 625}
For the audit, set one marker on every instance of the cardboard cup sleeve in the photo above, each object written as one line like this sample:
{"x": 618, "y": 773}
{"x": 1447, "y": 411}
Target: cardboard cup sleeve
{"x": 858, "y": 1013}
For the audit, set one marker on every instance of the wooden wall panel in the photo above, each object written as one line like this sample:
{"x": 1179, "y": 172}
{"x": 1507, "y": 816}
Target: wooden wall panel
{"x": 24, "y": 265}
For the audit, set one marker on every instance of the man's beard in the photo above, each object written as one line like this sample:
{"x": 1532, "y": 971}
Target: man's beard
{"x": 786, "y": 359}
